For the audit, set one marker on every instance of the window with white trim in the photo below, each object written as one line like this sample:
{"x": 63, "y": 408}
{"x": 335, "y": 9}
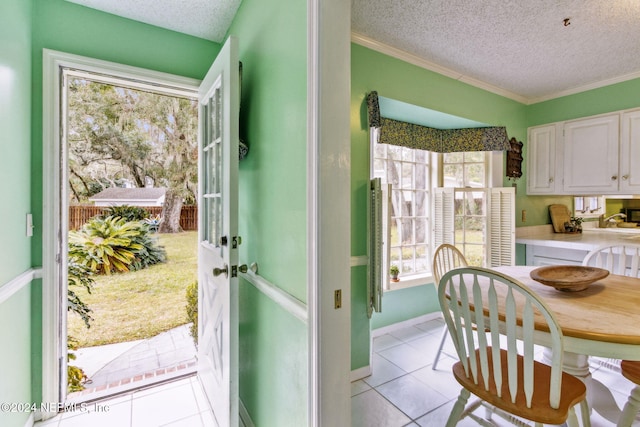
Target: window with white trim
{"x": 467, "y": 174}
{"x": 478, "y": 219}
{"x": 410, "y": 172}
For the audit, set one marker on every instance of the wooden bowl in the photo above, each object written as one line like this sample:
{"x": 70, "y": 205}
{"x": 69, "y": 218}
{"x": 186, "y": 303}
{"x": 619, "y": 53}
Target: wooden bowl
{"x": 568, "y": 278}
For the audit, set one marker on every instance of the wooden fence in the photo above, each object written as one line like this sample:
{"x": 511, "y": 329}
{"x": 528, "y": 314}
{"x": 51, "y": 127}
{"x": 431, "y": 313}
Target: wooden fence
{"x": 80, "y": 214}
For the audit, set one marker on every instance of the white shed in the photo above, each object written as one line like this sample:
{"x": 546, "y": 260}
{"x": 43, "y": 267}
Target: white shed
{"x": 129, "y": 196}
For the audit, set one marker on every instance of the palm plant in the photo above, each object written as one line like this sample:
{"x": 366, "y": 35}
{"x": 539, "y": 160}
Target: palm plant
{"x": 110, "y": 243}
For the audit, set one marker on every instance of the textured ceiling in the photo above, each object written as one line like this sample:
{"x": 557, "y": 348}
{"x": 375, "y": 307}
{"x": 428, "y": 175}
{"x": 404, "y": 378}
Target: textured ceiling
{"x": 207, "y": 19}
{"x": 518, "y": 48}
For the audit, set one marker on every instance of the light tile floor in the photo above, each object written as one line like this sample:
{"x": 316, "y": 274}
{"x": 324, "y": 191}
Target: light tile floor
{"x": 178, "y": 403}
{"x": 403, "y": 391}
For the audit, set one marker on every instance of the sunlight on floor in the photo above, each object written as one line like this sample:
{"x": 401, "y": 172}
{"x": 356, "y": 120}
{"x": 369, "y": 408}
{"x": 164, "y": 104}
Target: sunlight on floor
{"x": 178, "y": 403}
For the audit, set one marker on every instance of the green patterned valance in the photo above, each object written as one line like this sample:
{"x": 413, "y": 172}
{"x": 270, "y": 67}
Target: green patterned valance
{"x": 431, "y": 139}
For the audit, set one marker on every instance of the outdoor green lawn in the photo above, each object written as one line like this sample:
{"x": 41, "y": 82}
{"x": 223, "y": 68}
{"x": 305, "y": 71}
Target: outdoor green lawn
{"x": 141, "y": 304}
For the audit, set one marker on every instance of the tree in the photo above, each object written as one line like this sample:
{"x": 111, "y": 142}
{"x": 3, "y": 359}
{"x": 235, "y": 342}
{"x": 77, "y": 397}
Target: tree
{"x": 174, "y": 125}
{"x": 117, "y": 134}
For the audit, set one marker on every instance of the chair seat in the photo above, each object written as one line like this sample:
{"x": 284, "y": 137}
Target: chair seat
{"x": 573, "y": 391}
{"x": 631, "y": 370}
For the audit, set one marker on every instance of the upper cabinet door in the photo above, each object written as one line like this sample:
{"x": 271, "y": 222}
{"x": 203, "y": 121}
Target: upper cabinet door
{"x": 591, "y": 155}
{"x": 630, "y": 153}
{"x": 541, "y": 159}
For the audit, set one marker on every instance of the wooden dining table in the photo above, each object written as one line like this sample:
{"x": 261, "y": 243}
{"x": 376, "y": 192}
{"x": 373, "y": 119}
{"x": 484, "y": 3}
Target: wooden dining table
{"x": 602, "y": 320}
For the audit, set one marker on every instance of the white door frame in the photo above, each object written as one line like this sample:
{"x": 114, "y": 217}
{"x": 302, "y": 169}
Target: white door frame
{"x": 54, "y": 213}
{"x": 329, "y": 210}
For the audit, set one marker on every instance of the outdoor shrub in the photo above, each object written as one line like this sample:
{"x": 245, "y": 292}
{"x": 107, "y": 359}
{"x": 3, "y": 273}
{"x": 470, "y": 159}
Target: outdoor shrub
{"x": 76, "y": 377}
{"x": 79, "y": 275}
{"x": 130, "y": 213}
{"x": 108, "y": 243}
{"x": 192, "y": 310}
{"x": 150, "y": 252}
{"x": 113, "y": 244}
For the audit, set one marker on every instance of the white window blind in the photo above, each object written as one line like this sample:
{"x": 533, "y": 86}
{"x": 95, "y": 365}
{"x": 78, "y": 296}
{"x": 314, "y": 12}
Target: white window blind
{"x": 500, "y": 227}
{"x": 443, "y": 216}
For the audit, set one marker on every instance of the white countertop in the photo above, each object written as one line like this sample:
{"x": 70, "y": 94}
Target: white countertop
{"x": 587, "y": 240}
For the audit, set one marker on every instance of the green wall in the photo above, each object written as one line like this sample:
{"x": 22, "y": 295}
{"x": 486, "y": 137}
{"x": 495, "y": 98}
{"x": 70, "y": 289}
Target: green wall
{"x": 15, "y": 361}
{"x": 402, "y": 81}
{"x": 273, "y": 216}
{"x": 620, "y": 96}
{"x": 15, "y": 182}
{"x": 15, "y": 105}
{"x": 403, "y": 304}
{"x": 67, "y": 27}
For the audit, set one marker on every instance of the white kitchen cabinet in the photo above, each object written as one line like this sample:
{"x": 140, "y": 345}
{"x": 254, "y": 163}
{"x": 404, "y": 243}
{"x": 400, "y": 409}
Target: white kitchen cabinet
{"x": 630, "y": 153}
{"x": 546, "y": 255}
{"x": 590, "y": 155}
{"x": 541, "y": 159}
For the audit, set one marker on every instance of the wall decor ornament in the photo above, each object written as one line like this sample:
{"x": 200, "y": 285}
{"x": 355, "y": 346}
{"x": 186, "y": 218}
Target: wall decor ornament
{"x": 514, "y": 159}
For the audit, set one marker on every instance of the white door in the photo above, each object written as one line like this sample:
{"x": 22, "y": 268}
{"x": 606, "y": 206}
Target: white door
{"x": 218, "y": 235}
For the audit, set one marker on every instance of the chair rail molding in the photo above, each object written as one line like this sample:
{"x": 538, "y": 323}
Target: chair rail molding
{"x": 285, "y": 300}
{"x": 14, "y": 285}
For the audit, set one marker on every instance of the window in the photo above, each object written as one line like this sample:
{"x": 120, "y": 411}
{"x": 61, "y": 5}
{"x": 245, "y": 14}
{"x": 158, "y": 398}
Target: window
{"x": 409, "y": 171}
{"x": 478, "y": 219}
{"x": 467, "y": 174}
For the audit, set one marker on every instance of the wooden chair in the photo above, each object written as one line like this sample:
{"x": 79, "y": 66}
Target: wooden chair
{"x": 610, "y": 257}
{"x": 446, "y": 257}
{"x": 503, "y": 372}
{"x": 631, "y": 371}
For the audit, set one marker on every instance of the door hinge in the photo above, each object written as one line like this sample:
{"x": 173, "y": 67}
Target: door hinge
{"x": 236, "y": 241}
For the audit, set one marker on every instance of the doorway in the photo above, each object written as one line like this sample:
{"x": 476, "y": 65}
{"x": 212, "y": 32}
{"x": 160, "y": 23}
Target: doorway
{"x": 57, "y": 217}
{"x": 130, "y": 191}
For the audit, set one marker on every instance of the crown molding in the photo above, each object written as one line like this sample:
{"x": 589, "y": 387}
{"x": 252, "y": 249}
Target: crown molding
{"x": 431, "y": 66}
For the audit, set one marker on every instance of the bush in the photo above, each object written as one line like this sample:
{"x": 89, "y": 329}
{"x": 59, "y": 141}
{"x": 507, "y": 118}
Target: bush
{"x": 130, "y": 213}
{"x": 79, "y": 275}
{"x": 113, "y": 244}
{"x": 76, "y": 378}
{"x": 192, "y": 310}
{"x": 150, "y": 252}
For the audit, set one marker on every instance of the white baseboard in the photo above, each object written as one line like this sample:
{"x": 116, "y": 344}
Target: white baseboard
{"x": 245, "y": 418}
{"x": 30, "y": 421}
{"x": 360, "y": 373}
{"x": 405, "y": 324}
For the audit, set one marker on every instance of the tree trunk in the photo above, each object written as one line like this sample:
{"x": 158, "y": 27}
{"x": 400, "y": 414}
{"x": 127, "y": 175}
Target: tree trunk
{"x": 171, "y": 213}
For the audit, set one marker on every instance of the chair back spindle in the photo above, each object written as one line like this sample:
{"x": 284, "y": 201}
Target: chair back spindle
{"x": 623, "y": 260}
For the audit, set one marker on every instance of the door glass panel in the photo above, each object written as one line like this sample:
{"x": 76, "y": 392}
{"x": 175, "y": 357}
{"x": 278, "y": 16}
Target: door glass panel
{"x": 213, "y": 169}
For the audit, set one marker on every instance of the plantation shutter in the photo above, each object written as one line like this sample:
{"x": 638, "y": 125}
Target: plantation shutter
{"x": 502, "y": 227}
{"x": 443, "y": 218}
{"x": 379, "y": 213}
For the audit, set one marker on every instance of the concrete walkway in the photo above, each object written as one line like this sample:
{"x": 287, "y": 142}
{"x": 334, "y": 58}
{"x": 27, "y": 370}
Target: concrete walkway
{"x": 113, "y": 367}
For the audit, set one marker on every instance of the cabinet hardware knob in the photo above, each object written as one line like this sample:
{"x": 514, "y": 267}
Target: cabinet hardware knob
{"x": 551, "y": 180}
{"x": 625, "y": 177}
{"x": 614, "y": 177}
